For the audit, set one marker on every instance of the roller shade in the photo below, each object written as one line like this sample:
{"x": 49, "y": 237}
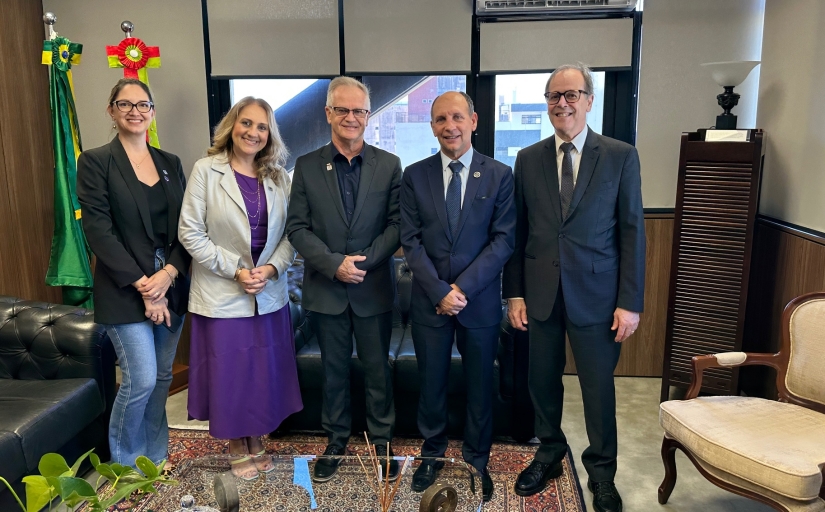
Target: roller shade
{"x": 546, "y": 45}
{"x": 403, "y": 36}
{"x": 266, "y": 38}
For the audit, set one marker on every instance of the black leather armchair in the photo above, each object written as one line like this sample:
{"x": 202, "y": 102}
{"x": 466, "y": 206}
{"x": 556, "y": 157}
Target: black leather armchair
{"x": 57, "y": 386}
{"x": 512, "y": 409}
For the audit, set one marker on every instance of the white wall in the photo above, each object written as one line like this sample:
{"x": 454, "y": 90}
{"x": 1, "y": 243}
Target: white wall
{"x": 675, "y": 93}
{"x": 179, "y": 85}
{"x": 792, "y": 112}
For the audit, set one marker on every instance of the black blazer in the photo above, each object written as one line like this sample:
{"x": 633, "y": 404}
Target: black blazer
{"x": 117, "y": 223}
{"x": 598, "y": 252}
{"x": 317, "y": 227}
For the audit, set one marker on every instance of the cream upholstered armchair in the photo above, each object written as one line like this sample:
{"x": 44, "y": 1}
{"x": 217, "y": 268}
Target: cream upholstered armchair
{"x": 772, "y": 452}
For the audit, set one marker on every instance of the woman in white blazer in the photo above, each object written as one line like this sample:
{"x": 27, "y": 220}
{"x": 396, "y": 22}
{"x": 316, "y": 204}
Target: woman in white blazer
{"x": 242, "y": 375}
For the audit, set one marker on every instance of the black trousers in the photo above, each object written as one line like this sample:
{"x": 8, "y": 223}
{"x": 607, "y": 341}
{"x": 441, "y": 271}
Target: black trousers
{"x": 433, "y": 351}
{"x": 372, "y": 342}
{"x": 596, "y": 354}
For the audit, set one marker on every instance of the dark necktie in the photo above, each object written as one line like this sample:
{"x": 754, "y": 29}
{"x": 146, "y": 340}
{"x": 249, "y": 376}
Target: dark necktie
{"x": 566, "y": 192}
{"x": 454, "y": 197}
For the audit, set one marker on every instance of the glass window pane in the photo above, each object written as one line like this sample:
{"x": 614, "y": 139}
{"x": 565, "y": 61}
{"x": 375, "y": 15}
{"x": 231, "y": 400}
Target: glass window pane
{"x": 403, "y": 126}
{"x": 521, "y": 112}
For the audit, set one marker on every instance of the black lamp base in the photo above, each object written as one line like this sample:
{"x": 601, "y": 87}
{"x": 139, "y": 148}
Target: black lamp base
{"x": 725, "y": 122}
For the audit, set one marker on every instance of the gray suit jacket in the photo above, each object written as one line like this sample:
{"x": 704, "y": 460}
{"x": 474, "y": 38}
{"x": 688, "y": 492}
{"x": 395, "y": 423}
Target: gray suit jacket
{"x": 598, "y": 252}
{"x": 318, "y": 229}
{"x": 214, "y": 228}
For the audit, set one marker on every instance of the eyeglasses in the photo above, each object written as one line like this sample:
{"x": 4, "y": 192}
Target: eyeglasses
{"x": 127, "y": 106}
{"x": 360, "y": 113}
{"x": 569, "y": 96}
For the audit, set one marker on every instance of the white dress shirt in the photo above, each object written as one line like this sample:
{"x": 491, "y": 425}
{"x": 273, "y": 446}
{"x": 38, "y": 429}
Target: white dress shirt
{"x": 575, "y": 154}
{"x": 466, "y": 159}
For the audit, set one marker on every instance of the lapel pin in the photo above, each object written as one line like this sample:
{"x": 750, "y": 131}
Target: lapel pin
{"x": 329, "y": 167}
{"x": 166, "y": 178}
{"x": 476, "y": 174}
{"x": 164, "y": 171}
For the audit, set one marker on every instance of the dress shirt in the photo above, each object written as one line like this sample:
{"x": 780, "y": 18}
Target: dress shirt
{"x": 466, "y": 159}
{"x": 349, "y": 175}
{"x": 575, "y": 154}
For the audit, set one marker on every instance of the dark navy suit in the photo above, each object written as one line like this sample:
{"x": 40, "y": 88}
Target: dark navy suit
{"x": 473, "y": 260}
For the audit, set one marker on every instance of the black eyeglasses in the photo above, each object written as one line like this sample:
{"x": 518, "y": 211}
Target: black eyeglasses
{"x": 571, "y": 96}
{"x": 127, "y": 106}
{"x": 360, "y": 113}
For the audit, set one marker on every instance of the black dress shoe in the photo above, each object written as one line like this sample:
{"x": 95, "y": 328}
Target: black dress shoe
{"x": 326, "y": 467}
{"x": 533, "y": 479}
{"x": 486, "y": 486}
{"x": 381, "y": 452}
{"x": 425, "y": 475}
{"x": 605, "y": 496}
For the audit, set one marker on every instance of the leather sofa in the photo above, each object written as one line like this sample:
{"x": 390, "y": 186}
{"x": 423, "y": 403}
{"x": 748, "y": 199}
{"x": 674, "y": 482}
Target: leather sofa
{"x": 512, "y": 410}
{"x": 57, "y": 387}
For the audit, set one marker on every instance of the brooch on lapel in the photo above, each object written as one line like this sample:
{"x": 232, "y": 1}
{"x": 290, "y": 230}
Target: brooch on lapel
{"x": 329, "y": 167}
{"x": 476, "y": 174}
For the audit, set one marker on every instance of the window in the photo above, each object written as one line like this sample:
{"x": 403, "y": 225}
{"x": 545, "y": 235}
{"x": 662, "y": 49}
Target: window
{"x": 402, "y": 124}
{"x": 522, "y": 112}
{"x": 299, "y": 110}
{"x": 399, "y": 122}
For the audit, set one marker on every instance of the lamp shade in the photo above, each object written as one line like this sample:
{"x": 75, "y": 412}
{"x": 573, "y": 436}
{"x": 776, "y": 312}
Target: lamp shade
{"x": 731, "y": 73}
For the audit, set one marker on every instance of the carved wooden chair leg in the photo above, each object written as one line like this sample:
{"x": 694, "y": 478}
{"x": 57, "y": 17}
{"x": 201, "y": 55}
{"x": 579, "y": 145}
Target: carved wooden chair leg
{"x": 669, "y": 461}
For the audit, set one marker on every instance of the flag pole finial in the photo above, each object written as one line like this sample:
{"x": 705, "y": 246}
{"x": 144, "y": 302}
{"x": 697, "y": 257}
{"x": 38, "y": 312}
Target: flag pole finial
{"x": 127, "y": 27}
{"x": 50, "y": 19}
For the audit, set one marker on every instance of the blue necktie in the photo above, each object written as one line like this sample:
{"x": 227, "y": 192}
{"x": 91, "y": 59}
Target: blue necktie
{"x": 454, "y": 197}
{"x": 566, "y": 192}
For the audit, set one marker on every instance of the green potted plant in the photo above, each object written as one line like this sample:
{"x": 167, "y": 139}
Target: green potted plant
{"x": 57, "y": 479}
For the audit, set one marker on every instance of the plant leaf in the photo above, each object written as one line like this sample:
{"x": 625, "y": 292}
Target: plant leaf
{"x": 94, "y": 459}
{"x": 76, "y": 466}
{"x": 74, "y": 490}
{"x": 147, "y": 466}
{"x": 122, "y": 492}
{"x": 106, "y": 471}
{"x": 53, "y": 464}
{"x": 38, "y": 492}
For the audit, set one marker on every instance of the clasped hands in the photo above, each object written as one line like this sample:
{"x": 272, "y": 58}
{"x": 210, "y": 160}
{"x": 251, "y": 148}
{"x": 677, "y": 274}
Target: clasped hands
{"x": 452, "y": 303}
{"x": 254, "y": 281}
{"x": 347, "y": 271}
{"x": 153, "y": 292}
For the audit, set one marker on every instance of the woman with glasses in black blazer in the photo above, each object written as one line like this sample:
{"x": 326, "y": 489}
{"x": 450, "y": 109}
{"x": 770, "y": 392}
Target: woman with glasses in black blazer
{"x": 130, "y": 195}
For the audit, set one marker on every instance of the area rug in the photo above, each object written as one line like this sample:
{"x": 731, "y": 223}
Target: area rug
{"x": 506, "y": 461}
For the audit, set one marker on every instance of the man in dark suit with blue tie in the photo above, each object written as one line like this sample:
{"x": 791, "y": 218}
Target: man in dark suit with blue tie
{"x": 457, "y": 231}
{"x": 578, "y": 268}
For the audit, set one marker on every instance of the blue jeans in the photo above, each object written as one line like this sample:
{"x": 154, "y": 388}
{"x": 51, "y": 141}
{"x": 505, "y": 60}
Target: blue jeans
{"x": 138, "y": 424}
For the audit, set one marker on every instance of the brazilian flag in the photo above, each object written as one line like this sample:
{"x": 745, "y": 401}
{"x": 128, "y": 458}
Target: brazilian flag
{"x": 70, "y": 255}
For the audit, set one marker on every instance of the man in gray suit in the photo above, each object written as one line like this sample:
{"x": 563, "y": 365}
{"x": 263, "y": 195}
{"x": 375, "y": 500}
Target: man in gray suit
{"x": 578, "y": 267}
{"x": 344, "y": 219}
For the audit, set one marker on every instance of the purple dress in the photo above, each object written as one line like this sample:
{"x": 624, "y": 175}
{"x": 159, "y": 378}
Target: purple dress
{"x": 243, "y": 377}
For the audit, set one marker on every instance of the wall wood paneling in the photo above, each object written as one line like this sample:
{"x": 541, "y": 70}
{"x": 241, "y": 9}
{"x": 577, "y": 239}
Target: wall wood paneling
{"x": 26, "y": 162}
{"x": 787, "y": 262}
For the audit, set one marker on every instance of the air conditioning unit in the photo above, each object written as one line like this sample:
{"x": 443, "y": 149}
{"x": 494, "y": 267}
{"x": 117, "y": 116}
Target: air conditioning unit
{"x": 500, "y": 7}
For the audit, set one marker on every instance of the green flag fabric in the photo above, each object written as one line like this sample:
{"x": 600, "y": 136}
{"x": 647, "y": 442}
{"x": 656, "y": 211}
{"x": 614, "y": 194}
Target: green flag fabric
{"x": 69, "y": 262}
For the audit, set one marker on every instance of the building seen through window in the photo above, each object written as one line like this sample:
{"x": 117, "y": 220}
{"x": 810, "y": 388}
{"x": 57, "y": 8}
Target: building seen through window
{"x": 521, "y": 112}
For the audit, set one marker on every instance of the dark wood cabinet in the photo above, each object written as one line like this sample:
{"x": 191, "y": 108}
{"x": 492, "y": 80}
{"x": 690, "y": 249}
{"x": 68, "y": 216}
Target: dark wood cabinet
{"x": 715, "y": 216}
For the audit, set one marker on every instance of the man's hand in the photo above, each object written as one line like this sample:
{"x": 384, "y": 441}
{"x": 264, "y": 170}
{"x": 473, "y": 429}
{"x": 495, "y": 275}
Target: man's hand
{"x": 625, "y": 323}
{"x": 348, "y": 273}
{"x": 452, "y": 303}
{"x": 517, "y": 313}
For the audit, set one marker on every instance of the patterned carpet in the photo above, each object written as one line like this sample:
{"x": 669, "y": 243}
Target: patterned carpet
{"x": 506, "y": 461}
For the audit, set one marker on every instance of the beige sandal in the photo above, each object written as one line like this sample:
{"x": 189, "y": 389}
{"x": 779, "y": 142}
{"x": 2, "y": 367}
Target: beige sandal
{"x": 241, "y": 468}
{"x": 263, "y": 462}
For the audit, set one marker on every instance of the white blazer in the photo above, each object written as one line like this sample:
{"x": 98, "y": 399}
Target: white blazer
{"x": 214, "y": 228}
